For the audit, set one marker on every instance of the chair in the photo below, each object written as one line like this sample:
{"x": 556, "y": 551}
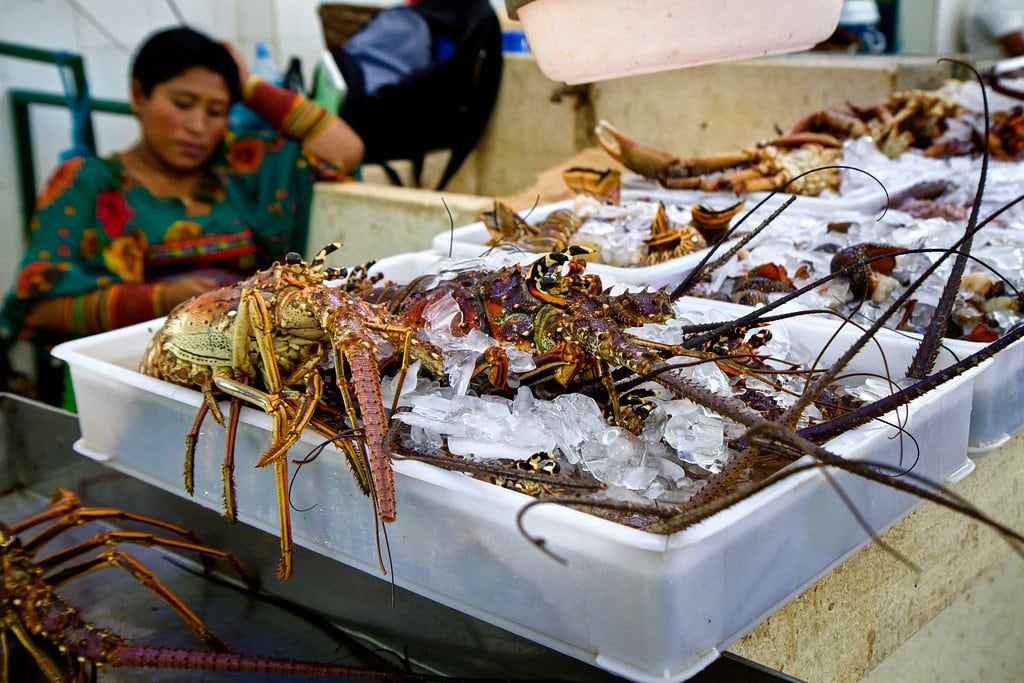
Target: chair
{"x": 443, "y": 107}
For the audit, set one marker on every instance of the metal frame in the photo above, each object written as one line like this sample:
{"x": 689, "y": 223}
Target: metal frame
{"x": 22, "y": 99}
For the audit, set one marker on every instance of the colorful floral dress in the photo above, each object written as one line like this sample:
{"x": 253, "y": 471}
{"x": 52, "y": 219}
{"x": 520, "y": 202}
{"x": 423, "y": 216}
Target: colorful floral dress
{"x": 94, "y": 225}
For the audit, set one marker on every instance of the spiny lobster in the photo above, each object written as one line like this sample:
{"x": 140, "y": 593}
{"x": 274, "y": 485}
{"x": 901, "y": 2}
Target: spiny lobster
{"x": 572, "y": 327}
{"x": 267, "y": 341}
{"x": 66, "y": 647}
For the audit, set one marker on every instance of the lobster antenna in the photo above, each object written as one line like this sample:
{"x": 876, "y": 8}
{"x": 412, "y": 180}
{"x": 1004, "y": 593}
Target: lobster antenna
{"x": 451, "y": 227}
{"x": 924, "y": 358}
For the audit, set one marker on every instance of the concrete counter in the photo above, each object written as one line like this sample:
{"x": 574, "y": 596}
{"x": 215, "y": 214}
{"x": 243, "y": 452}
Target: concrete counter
{"x": 961, "y": 617}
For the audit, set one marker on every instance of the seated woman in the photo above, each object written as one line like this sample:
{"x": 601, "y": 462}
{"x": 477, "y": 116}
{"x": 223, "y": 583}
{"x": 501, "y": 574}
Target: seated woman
{"x": 190, "y": 207}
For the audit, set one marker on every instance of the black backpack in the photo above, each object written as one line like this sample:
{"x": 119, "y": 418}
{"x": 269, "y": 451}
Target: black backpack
{"x": 444, "y": 104}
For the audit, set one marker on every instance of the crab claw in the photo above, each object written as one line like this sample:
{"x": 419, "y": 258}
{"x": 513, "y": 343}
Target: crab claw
{"x": 646, "y": 160}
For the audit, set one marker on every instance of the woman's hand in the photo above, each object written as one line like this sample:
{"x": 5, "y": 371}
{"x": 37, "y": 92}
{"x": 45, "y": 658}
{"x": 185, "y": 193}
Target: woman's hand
{"x": 182, "y": 289}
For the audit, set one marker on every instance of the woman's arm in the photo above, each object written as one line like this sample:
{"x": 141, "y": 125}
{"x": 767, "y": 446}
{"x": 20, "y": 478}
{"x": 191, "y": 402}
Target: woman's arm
{"x": 1013, "y": 43}
{"x": 114, "y": 306}
{"x": 337, "y": 143}
{"x": 323, "y": 133}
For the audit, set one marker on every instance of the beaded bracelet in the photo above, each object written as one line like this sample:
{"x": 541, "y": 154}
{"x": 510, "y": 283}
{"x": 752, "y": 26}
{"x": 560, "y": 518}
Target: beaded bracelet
{"x": 291, "y": 114}
{"x": 76, "y": 322}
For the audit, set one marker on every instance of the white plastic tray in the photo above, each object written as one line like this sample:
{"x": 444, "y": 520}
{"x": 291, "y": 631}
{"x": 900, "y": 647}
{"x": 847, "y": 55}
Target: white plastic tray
{"x": 997, "y": 410}
{"x": 640, "y": 605}
{"x": 997, "y": 403}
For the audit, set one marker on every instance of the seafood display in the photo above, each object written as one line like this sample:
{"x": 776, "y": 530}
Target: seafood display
{"x": 547, "y": 384}
{"x": 64, "y": 646}
{"x": 640, "y": 368}
{"x": 947, "y": 122}
{"x": 551, "y": 328}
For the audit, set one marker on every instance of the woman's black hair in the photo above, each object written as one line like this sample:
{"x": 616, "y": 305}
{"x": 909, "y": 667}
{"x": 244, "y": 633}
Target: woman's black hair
{"x": 170, "y": 52}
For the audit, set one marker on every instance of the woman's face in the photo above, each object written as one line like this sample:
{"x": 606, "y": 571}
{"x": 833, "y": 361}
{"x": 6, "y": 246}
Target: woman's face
{"x": 185, "y": 118}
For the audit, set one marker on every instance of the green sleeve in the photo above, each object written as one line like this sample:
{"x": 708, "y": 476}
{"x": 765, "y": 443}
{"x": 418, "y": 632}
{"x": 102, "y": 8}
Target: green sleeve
{"x": 271, "y": 180}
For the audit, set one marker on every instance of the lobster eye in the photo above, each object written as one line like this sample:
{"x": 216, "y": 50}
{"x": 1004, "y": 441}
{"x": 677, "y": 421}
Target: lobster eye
{"x": 292, "y": 258}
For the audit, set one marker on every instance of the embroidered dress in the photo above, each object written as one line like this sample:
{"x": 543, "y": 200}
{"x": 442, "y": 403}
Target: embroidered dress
{"x": 95, "y": 226}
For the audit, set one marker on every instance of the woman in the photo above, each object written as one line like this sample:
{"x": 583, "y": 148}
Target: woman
{"x": 994, "y": 29}
{"x": 190, "y": 207}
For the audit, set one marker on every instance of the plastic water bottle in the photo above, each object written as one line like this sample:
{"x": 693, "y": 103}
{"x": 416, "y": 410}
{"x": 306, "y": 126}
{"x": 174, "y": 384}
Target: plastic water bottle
{"x": 263, "y": 65}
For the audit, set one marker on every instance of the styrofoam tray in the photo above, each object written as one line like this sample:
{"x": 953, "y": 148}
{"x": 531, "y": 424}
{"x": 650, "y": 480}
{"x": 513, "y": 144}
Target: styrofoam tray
{"x": 640, "y": 605}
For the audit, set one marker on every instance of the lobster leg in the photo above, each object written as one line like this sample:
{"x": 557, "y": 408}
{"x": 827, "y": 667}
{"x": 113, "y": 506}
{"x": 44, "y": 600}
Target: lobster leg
{"x": 50, "y": 669}
{"x": 259, "y": 321}
{"x": 116, "y": 558}
{"x": 276, "y": 406}
{"x": 227, "y": 467}
{"x": 400, "y": 381}
{"x": 145, "y": 539}
{"x": 209, "y": 405}
{"x": 261, "y": 326}
{"x": 191, "y": 439}
{"x": 303, "y": 414}
{"x": 285, "y": 566}
{"x": 354, "y": 454}
{"x": 73, "y": 514}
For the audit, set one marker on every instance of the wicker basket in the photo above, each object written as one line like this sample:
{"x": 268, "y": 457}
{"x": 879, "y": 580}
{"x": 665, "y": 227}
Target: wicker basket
{"x": 340, "y": 21}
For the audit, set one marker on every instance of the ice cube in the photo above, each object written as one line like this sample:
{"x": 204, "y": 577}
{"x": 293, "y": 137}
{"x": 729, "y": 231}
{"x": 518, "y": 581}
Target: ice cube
{"x": 697, "y": 435}
{"x": 616, "y": 457}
